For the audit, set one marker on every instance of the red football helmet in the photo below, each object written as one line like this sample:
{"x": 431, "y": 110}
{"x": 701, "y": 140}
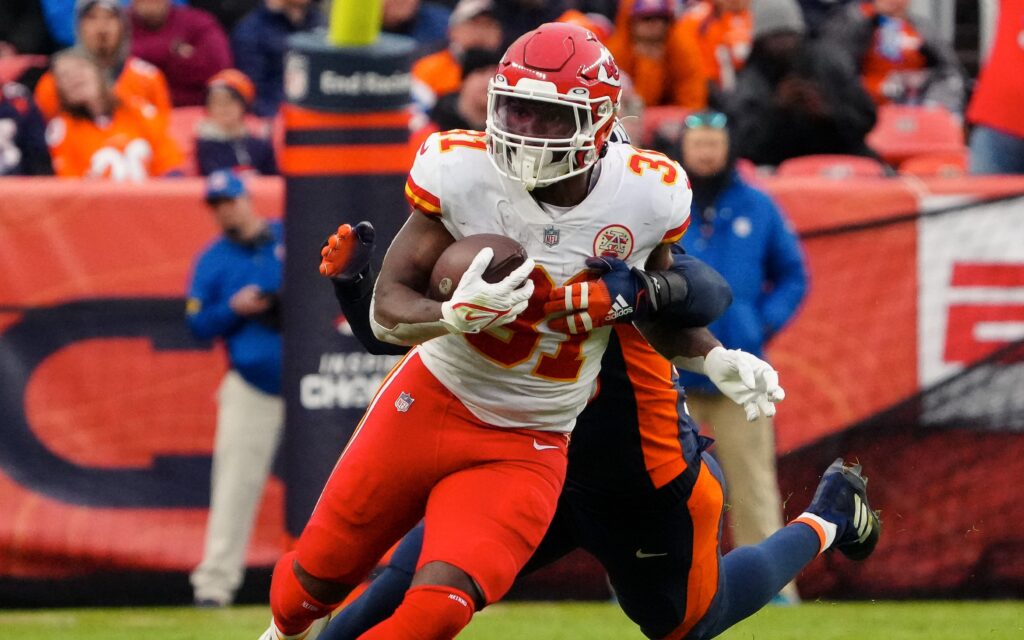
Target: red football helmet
{"x": 551, "y": 105}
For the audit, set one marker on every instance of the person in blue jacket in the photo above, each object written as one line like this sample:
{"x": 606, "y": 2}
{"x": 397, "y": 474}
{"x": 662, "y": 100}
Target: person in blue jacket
{"x": 738, "y": 230}
{"x": 234, "y": 298}
{"x": 424, "y": 21}
{"x": 60, "y": 19}
{"x": 260, "y": 40}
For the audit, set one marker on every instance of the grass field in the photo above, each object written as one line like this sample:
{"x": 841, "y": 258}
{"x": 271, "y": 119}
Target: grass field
{"x": 563, "y": 621}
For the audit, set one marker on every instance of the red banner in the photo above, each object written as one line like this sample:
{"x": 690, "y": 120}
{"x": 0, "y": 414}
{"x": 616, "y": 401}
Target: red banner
{"x": 106, "y": 402}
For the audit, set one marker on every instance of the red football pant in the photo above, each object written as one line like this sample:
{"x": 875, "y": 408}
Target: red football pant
{"x": 294, "y": 608}
{"x": 487, "y": 494}
{"x": 426, "y": 613}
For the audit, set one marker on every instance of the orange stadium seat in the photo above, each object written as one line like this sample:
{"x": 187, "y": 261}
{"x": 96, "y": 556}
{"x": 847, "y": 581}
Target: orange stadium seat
{"x": 831, "y": 166}
{"x": 665, "y": 120}
{"x": 903, "y": 132}
{"x": 749, "y": 171}
{"x": 952, "y": 164}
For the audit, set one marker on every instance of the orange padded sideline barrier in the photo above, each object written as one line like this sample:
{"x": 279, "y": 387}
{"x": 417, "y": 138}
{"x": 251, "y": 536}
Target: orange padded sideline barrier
{"x": 114, "y": 404}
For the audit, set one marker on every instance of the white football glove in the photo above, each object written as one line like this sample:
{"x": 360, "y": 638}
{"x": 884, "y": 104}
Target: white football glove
{"x": 745, "y": 379}
{"x": 476, "y": 305}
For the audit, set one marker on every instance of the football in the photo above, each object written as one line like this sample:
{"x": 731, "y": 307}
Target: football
{"x": 448, "y": 270}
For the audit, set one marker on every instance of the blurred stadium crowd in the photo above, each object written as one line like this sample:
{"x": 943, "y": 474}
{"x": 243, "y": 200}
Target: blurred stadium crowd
{"x": 136, "y": 89}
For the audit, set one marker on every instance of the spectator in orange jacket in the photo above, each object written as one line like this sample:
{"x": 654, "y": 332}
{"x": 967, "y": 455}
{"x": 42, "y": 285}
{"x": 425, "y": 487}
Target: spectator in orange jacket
{"x": 597, "y": 23}
{"x": 659, "y": 54}
{"x": 901, "y": 58}
{"x": 472, "y": 25}
{"x": 724, "y": 30}
{"x": 97, "y": 135}
{"x": 467, "y": 107}
{"x": 102, "y": 34}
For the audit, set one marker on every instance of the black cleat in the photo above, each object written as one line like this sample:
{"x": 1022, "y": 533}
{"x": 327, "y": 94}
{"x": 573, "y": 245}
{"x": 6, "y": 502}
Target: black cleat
{"x": 842, "y": 499}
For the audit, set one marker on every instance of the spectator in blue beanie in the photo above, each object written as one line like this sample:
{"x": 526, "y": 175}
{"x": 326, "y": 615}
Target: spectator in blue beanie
{"x": 260, "y": 41}
{"x": 60, "y": 19}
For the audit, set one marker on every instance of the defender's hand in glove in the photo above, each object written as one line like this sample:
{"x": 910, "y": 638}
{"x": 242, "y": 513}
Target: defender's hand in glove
{"x": 618, "y": 294}
{"x": 347, "y": 252}
{"x": 745, "y": 379}
{"x": 476, "y": 305}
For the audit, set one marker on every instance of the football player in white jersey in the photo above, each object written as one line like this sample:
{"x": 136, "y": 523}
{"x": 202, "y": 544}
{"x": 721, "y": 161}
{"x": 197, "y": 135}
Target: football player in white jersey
{"x": 470, "y": 430}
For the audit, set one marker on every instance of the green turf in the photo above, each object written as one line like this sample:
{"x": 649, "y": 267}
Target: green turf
{"x": 821, "y": 621}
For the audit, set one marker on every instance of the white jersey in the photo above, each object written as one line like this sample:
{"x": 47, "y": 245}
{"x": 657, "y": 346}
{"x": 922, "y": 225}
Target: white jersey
{"x": 524, "y": 374}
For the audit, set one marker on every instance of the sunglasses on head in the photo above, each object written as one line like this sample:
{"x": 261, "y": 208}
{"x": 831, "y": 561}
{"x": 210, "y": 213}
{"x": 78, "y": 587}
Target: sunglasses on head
{"x": 713, "y": 119}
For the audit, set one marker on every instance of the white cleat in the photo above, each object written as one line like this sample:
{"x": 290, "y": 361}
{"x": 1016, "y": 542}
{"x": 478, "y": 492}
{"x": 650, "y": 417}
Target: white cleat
{"x": 273, "y": 633}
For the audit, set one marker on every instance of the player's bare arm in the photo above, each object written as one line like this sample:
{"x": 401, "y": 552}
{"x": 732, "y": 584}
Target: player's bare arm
{"x": 747, "y": 380}
{"x": 671, "y": 308}
{"x": 674, "y": 342}
{"x": 401, "y": 313}
{"x": 660, "y": 258}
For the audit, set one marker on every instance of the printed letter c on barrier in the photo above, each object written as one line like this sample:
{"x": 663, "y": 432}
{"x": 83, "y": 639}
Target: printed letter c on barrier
{"x": 170, "y": 482}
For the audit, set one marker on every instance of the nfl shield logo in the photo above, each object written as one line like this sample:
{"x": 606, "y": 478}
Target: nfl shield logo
{"x": 296, "y": 76}
{"x": 404, "y": 402}
{"x": 551, "y": 236}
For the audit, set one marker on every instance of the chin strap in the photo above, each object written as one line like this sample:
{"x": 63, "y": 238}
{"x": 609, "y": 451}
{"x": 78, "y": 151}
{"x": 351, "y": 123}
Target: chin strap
{"x": 526, "y": 165}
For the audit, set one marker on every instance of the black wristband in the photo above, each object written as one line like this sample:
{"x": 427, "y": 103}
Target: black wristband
{"x": 357, "y": 286}
{"x": 664, "y": 289}
{"x": 691, "y": 294}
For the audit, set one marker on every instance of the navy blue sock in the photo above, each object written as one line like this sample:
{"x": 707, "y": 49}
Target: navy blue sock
{"x": 754, "y": 574}
{"x": 383, "y": 595}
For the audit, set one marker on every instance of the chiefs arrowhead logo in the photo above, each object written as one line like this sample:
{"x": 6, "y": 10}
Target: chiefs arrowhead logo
{"x": 608, "y": 73}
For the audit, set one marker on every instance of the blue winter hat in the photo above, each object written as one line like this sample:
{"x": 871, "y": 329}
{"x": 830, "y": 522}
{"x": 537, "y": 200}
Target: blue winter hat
{"x": 224, "y": 184}
{"x": 82, "y": 6}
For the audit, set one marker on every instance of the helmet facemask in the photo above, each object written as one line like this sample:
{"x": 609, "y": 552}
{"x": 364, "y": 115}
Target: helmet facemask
{"x": 538, "y": 136}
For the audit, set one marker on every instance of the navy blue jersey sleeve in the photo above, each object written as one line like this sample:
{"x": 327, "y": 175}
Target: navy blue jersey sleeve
{"x": 708, "y": 295}
{"x": 689, "y": 294}
{"x": 354, "y": 299}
